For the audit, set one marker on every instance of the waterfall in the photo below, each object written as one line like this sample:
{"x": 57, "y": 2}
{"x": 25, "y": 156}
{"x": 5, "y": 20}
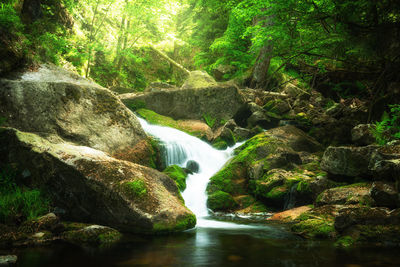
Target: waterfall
{"x": 180, "y": 148}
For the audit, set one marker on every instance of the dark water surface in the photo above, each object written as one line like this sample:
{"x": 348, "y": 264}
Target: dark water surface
{"x": 236, "y": 245}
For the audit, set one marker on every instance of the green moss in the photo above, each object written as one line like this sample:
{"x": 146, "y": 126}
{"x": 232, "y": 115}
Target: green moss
{"x": 108, "y": 238}
{"x": 344, "y": 242}
{"x": 182, "y": 223}
{"x": 379, "y": 233}
{"x": 178, "y": 175}
{"x": 155, "y": 118}
{"x": 210, "y": 121}
{"x": 220, "y": 144}
{"x": 303, "y": 187}
{"x": 136, "y": 104}
{"x": 221, "y": 201}
{"x": 314, "y": 228}
{"x": 99, "y": 237}
{"x": 136, "y": 189}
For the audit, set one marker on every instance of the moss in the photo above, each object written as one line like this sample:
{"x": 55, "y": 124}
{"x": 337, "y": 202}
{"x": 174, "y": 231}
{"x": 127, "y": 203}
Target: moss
{"x": 225, "y": 180}
{"x": 303, "y": 187}
{"x": 314, "y": 228}
{"x": 100, "y": 237}
{"x": 344, "y": 242}
{"x": 155, "y": 118}
{"x": 178, "y": 175}
{"x": 136, "y": 104}
{"x": 379, "y": 233}
{"x": 220, "y": 144}
{"x": 135, "y": 189}
{"x": 221, "y": 201}
{"x": 182, "y": 223}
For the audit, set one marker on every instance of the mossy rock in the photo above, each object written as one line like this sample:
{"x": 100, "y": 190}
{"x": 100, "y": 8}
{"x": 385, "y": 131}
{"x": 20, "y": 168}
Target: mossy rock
{"x": 220, "y": 144}
{"x": 319, "y": 228}
{"x": 181, "y": 224}
{"x": 93, "y": 235}
{"x": 345, "y": 242}
{"x": 221, "y": 201}
{"x": 136, "y": 189}
{"x": 195, "y": 128}
{"x": 178, "y": 175}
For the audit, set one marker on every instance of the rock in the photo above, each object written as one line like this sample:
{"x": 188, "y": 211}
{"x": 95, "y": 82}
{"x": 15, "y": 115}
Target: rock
{"x": 199, "y": 79}
{"x": 261, "y": 167}
{"x": 292, "y": 90}
{"x": 382, "y": 163}
{"x": 8, "y": 260}
{"x": 353, "y": 215}
{"x": 177, "y": 174}
{"x": 160, "y": 86}
{"x": 385, "y": 195}
{"x": 296, "y": 139}
{"x": 225, "y": 134}
{"x": 346, "y": 195}
{"x": 93, "y": 235}
{"x": 362, "y": 135}
{"x": 47, "y": 222}
{"x": 277, "y": 106}
{"x": 192, "y": 166}
{"x": 92, "y": 186}
{"x": 347, "y": 161}
{"x": 251, "y": 115}
{"x": 221, "y": 201}
{"x": 218, "y": 102}
{"x": 242, "y": 133}
{"x": 289, "y": 215}
{"x": 62, "y": 106}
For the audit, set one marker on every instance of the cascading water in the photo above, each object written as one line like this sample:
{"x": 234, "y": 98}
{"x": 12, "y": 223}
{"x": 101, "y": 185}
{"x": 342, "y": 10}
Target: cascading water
{"x": 180, "y": 148}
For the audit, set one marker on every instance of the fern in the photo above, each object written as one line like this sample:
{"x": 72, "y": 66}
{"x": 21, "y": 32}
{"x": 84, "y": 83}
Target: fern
{"x": 389, "y": 127}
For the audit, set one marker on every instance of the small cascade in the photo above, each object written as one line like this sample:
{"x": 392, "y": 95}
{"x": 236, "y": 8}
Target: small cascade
{"x": 180, "y": 148}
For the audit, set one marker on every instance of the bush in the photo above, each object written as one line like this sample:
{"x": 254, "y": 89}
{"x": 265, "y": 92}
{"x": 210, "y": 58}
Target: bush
{"x": 18, "y": 203}
{"x": 389, "y": 128}
{"x": 9, "y": 19}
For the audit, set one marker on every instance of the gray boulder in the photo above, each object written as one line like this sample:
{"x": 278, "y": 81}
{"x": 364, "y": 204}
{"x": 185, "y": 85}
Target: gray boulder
{"x": 362, "y": 135}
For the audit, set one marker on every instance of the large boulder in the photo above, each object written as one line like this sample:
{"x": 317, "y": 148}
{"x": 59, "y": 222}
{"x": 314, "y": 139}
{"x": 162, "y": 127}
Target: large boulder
{"x": 198, "y": 79}
{"x": 351, "y": 194}
{"x": 63, "y": 106}
{"x": 219, "y": 102}
{"x": 91, "y": 186}
{"x": 379, "y": 162}
{"x": 262, "y": 167}
{"x": 362, "y": 134}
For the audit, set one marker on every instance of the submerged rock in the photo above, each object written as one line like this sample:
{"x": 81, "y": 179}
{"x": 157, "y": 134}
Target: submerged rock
{"x": 193, "y": 166}
{"x": 93, "y": 235}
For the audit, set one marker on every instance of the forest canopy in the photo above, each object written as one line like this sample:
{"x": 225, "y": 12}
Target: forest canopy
{"x": 350, "y": 47}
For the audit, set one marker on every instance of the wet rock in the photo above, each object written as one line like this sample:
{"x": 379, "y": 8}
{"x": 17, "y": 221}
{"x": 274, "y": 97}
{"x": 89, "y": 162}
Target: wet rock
{"x": 8, "y": 260}
{"x": 385, "y": 195}
{"x": 362, "y": 135}
{"x": 224, "y": 133}
{"x": 49, "y": 222}
{"x": 221, "y": 201}
{"x": 352, "y": 194}
{"x": 192, "y": 166}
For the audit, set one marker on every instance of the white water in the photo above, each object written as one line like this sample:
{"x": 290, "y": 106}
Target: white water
{"x": 182, "y": 147}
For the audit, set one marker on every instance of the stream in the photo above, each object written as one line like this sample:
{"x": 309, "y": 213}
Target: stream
{"x": 215, "y": 241}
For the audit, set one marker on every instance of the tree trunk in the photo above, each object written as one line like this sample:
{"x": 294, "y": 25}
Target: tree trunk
{"x": 260, "y": 77}
{"x": 170, "y": 60}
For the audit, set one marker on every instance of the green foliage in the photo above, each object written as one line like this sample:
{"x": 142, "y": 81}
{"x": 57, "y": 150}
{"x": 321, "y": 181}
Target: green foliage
{"x": 9, "y": 19}
{"x": 389, "y": 127}
{"x": 177, "y": 174}
{"x": 18, "y": 202}
{"x": 209, "y": 120}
